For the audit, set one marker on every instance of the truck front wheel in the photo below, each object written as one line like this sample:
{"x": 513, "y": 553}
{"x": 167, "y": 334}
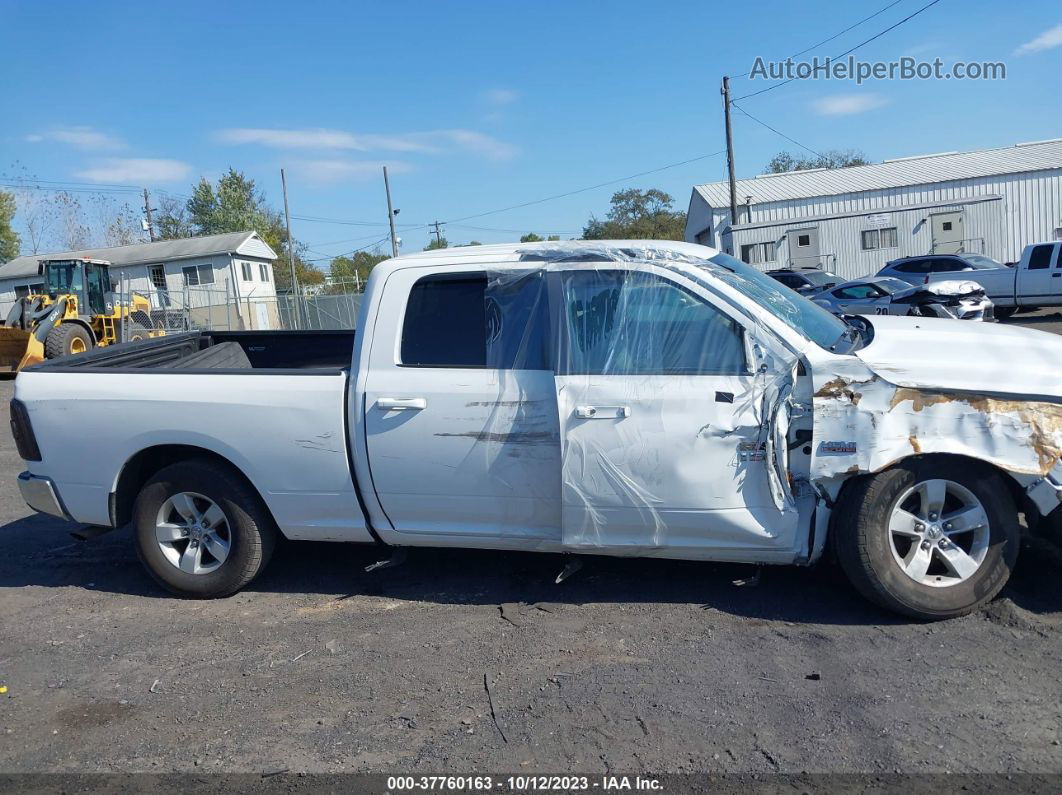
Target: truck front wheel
{"x": 201, "y": 530}
{"x": 931, "y": 538}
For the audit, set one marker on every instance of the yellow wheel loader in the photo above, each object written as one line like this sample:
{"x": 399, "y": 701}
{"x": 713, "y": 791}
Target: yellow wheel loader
{"x": 76, "y": 312}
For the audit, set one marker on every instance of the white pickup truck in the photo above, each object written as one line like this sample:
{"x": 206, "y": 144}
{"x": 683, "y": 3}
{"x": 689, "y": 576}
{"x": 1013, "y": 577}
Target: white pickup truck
{"x": 1035, "y": 281}
{"x": 649, "y": 399}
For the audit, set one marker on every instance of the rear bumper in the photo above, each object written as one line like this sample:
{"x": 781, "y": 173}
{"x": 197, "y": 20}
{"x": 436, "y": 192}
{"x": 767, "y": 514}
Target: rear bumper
{"x": 39, "y": 494}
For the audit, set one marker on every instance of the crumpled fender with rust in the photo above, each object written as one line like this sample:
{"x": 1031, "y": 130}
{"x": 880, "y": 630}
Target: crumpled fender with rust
{"x": 929, "y": 385}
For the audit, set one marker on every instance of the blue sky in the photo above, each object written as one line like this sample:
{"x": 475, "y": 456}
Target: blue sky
{"x": 477, "y": 106}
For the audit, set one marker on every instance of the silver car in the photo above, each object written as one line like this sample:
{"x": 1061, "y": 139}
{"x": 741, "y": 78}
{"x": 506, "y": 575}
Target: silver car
{"x": 885, "y": 295}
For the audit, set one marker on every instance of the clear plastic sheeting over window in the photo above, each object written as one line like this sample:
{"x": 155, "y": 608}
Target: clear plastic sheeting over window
{"x": 670, "y": 416}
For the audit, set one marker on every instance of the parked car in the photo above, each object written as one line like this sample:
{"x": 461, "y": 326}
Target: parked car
{"x": 884, "y": 295}
{"x": 1036, "y": 280}
{"x": 806, "y": 281}
{"x": 918, "y": 269}
{"x": 638, "y": 398}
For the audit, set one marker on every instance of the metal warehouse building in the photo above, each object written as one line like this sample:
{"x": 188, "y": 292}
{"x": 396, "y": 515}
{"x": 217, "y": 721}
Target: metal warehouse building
{"x": 853, "y": 220}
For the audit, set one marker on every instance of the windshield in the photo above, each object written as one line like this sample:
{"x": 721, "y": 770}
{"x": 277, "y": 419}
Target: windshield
{"x": 820, "y": 278}
{"x": 793, "y": 309}
{"x": 890, "y": 285}
{"x": 982, "y": 262}
{"x": 64, "y": 277}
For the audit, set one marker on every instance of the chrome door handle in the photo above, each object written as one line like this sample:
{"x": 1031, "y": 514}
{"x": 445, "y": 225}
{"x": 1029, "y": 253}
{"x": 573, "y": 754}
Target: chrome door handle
{"x": 401, "y": 404}
{"x": 602, "y": 412}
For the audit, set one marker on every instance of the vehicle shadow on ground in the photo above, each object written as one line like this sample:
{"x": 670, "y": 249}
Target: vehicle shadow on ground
{"x": 40, "y": 552}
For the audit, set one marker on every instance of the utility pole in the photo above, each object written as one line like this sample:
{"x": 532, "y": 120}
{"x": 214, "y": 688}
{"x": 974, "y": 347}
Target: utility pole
{"x": 438, "y": 234}
{"x": 147, "y": 213}
{"x": 730, "y": 153}
{"x": 291, "y": 254}
{"x": 390, "y": 215}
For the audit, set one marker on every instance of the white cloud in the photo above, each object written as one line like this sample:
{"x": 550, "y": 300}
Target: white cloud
{"x": 291, "y": 139}
{"x": 429, "y": 142}
{"x": 137, "y": 170}
{"x": 848, "y": 104}
{"x": 332, "y": 170}
{"x": 1049, "y": 39}
{"x": 500, "y": 96}
{"x": 80, "y": 137}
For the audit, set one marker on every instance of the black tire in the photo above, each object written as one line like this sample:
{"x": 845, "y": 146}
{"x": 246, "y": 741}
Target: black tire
{"x": 252, "y": 532}
{"x": 1004, "y": 312}
{"x": 63, "y": 340}
{"x": 136, "y": 332}
{"x": 861, "y": 539}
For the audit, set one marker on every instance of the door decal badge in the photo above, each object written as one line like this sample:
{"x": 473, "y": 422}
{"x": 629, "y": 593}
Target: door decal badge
{"x": 837, "y": 448}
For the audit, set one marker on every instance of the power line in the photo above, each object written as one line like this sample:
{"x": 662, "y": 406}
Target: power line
{"x": 349, "y": 253}
{"x": 846, "y": 52}
{"x": 836, "y": 35}
{"x": 584, "y": 190}
{"x": 776, "y": 132}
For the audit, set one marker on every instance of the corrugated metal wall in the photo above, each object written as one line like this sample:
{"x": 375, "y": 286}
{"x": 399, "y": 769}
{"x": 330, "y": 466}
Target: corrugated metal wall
{"x": 1015, "y": 210}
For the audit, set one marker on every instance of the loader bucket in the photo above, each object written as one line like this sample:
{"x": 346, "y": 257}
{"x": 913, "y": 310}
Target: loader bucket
{"x": 13, "y": 348}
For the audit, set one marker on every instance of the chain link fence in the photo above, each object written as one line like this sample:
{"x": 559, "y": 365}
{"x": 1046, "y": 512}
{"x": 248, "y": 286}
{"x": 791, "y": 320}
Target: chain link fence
{"x": 217, "y": 307}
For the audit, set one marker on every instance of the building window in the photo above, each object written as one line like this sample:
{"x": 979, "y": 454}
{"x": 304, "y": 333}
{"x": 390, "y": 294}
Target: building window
{"x": 757, "y": 253}
{"x": 803, "y": 241}
{"x": 197, "y": 274}
{"x": 157, "y": 274}
{"x": 874, "y": 239}
{"x": 247, "y": 273}
{"x": 263, "y": 271}
{"x": 946, "y": 226}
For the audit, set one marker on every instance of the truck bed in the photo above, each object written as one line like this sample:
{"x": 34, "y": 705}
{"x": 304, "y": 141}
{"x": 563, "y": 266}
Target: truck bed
{"x": 219, "y": 351}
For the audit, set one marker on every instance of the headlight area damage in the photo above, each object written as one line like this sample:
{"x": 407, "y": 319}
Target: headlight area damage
{"x": 864, "y": 424}
{"x": 957, "y": 299}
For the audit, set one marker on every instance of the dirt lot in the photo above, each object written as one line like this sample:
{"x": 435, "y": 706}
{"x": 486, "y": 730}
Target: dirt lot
{"x": 629, "y": 666}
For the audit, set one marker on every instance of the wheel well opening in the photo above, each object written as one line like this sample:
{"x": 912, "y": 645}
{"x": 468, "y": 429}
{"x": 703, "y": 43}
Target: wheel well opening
{"x": 1014, "y": 488}
{"x": 145, "y": 464}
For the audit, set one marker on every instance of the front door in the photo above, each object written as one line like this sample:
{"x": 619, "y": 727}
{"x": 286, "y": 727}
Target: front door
{"x": 948, "y": 233}
{"x": 804, "y": 247}
{"x": 662, "y": 421}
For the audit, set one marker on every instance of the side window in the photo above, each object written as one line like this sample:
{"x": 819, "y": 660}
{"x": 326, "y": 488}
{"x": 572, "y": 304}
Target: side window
{"x": 1040, "y": 257}
{"x": 946, "y": 265}
{"x": 917, "y": 266}
{"x": 857, "y": 291}
{"x": 632, "y": 323}
{"x": 455, "y": 321}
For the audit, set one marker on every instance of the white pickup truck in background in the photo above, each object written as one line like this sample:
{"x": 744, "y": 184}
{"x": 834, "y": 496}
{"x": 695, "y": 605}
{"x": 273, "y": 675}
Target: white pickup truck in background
{"x": 1035, "y": 281}
{"x": 633, "y": 398}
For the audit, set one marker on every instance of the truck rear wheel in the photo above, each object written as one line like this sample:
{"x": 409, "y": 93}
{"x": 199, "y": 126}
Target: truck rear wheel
{"x": 931, "y": 538}
{"x": 65, "y": 339}
{"x": 201, "y": 530}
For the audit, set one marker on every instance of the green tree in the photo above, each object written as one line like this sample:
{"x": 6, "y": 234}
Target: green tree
{"x": 833, "y": 158}
{"x": 9, "y": 239}
{"x": 638, "y": 215}
{"x": 437, "y": 243}
{"x": 350, "y": 271}
{"x": 235, "y": 204}
{"x": 531, "y": 237}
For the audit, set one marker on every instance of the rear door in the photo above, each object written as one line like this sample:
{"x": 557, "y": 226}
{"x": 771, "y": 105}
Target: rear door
{"x": 664, "y": 425}
{"x": 1041, "y": 277}
{"x": 461, "y": 419}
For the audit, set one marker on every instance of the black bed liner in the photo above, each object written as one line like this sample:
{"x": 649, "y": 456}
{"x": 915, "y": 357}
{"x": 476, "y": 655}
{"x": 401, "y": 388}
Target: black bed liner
{"x": 219, "y": 351}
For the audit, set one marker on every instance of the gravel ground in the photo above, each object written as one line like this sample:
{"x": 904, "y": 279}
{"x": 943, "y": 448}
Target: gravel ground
{"x": 474, "y": 661}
